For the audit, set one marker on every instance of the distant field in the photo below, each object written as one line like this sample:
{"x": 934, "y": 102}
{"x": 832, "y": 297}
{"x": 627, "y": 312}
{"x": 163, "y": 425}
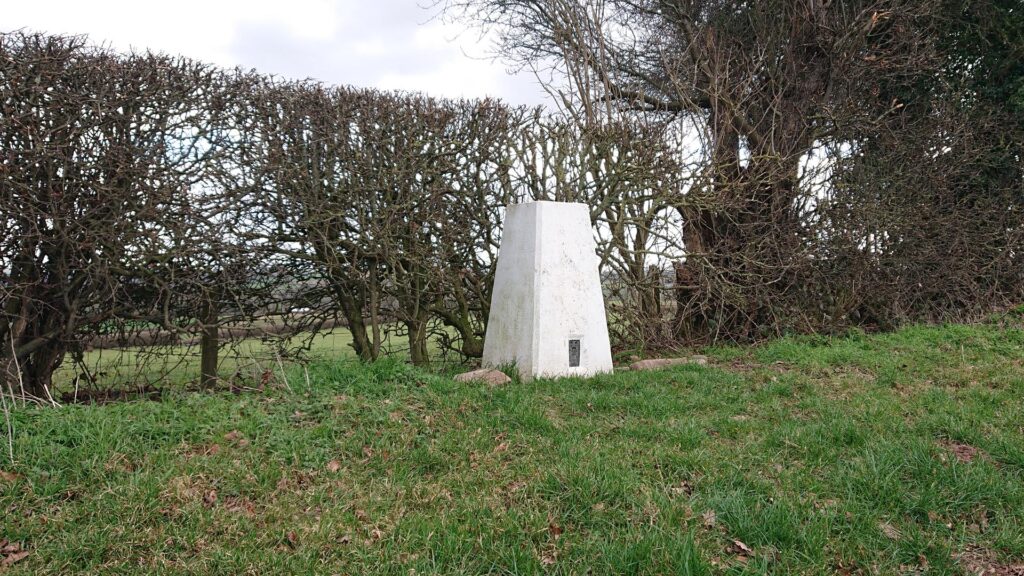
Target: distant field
{"x": 900, "y": 453}
{"x": 174, "y": 366}
{"x": 178, "y": 364}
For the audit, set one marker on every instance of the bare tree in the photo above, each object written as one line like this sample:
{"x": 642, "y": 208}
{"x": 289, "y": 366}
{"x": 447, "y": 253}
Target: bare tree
{"x": 762, "y": 86}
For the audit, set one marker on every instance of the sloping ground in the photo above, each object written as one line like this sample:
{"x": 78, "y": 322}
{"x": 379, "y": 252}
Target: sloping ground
{"x": 892, "y": 454}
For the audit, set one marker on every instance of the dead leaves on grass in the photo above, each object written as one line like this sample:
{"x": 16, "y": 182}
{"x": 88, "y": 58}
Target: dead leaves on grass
{"x": 740, "y": 551}
{"x": 962, "y": 452}
{"x": 548, "y": 554}
{"x": 737, "y": 549}
{"x": 236, "y": 438}
{"x": 501, "y": 439}
{"x": 369, "y": 453}
{"x": 548, "y": 557}
{"x": 978, "y": 561}
{"x": 890, "y": 531}
{"x": 185, "y": 490}
{"x": 209, "y": 498}
{"x": 201, "y": 450}
{"x": 233, "y": 438}
{"x": 980, "y": 522}
{"x": 240, "y": 505}
{"x": 11, "y": 552}
{"x": 684, "y": 488}
{"x": 709, "y": 518}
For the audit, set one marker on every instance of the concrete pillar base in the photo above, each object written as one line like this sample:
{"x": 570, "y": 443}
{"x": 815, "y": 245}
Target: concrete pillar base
{"x": 547, "y": 310}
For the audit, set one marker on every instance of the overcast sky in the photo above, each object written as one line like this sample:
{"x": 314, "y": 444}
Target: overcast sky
{"x": 391, "y": 44}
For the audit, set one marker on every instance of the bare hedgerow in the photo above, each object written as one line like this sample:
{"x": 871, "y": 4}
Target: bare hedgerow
{"x": 100, "y": 153}
{"x": 750, "y": 170}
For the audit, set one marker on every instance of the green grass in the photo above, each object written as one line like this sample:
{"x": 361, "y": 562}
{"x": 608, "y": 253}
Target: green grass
{"x": 241, "y": 361}
{"x": 177, "y": 365}
{"x": 819, "y": 455}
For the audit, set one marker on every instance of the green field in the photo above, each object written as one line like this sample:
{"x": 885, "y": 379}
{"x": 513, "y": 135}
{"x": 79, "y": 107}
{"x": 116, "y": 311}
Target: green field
{"x": 240, "y": 362}
{"x": 899, "y": 453}
{"x": 176, "y": 366}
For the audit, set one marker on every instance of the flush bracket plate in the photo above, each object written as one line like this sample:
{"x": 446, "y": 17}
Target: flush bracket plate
{"x": 574, "y": 353}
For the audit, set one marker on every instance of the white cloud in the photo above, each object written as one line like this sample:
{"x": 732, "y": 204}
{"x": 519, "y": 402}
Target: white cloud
{"x": 393, "y": 44}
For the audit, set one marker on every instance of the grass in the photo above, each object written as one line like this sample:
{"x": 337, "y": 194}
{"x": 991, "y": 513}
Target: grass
{"x": 888, "y": 454}
{"x": 177, "y": 366}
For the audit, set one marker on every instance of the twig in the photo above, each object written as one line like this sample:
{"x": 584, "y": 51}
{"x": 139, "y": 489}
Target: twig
{"x": 50, "y": 396}
{"x": 17, "y": 370}
{"x": 10, "y": 427}
{"x": 284, "y": 377}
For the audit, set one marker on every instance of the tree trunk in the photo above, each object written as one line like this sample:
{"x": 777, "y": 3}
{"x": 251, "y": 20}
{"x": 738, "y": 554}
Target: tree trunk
{"x": 418, "y": 341}
{"x": 353, "y": 312}
{"x": 209, "y": 346}
{"x": 472, "y": 344}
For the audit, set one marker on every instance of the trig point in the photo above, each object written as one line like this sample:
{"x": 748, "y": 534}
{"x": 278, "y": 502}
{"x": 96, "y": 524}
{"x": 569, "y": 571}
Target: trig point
{"x": 547, "y": 310}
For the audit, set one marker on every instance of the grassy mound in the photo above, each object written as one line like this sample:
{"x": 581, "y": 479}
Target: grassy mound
{"x": 897, "y": 453}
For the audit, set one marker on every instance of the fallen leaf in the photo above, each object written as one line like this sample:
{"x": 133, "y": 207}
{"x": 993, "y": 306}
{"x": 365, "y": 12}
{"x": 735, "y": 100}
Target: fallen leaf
{"x": 844, "y": 569}
{"x": 963, "y": 452}
{"x": 210, "y": 498}
{"x": 981, "y": 561}
{"x": 555, "y": 530}
{"x": 239, "y": 505}
{"x": 515, "y": 486}
{"x": 709, "y": 518}
{"x": 333, "y": 466}
{"x": 982, "y": 516}
{"x": 292, "y": 539}
{"x": 683, "y": 488}
{"x": 889, "y": 530}
{"x": 501, "y": 447}
{"x": 16, "y": 557}
{"x": 233, "y": 435}
{"x": 826, "y": 504}
{"x": 9, "y": 476}
{"x": 739, "y": 547}
{"x": 8, "y": 548}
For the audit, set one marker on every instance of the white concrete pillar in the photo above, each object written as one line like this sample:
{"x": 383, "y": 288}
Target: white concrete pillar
{"x": 547, "y": 310}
